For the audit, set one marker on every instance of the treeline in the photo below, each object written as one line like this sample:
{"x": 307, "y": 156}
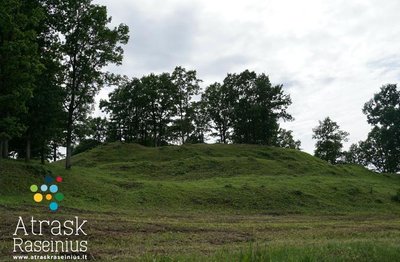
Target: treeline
{"x": 381, "y": 149}
{"x": 52, "y": 59}
{"x": 170, "y": 109}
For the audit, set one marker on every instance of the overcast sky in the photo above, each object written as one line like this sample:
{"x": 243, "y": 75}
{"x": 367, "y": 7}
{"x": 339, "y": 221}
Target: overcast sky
{"x": 331, "y": 56}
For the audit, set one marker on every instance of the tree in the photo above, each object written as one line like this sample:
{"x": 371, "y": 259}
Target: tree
{"x": 219, "y": 100}
{"x": 258, "y": 108}
{"x": 45, "y": 117}
{"x": 329, "y": 140}
{"x": 200, "y": 121}
{"x": 187, "y": 85}
{"x": 98, "y": 128}
{"x": 85, "y": 145}
{"x": 19, "y": 65}
{"x": 159, "y": 109}
{"x": 285, "y": 139}
{"x": 141, "y": 110}
{"x": 383, "y": 143}
{"x": 88, "y": 46}
{"x": 372, "y": 151}
{"x": 246, "y": 108}
{"x": 125, "y": 109}
{"x": 356, "y": 154}
{"x": 159, "y": 91}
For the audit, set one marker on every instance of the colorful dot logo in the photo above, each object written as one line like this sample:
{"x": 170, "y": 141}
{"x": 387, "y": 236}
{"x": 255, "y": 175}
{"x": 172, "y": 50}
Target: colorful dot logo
{"x": 49, "y": 192}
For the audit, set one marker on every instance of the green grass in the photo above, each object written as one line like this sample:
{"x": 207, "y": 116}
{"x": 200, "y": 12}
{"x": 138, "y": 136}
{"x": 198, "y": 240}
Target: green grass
{"x": 210, "y": 202}
{"x": 332, "y": 251}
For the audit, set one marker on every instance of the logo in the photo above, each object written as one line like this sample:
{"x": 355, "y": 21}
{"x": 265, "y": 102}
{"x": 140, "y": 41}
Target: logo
{"x": 48, "y": 192}
{"x": 49, "y": 239}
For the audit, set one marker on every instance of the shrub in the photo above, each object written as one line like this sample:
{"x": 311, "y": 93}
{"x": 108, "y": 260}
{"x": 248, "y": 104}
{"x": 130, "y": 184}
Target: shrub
{"x": 85, "y": 145}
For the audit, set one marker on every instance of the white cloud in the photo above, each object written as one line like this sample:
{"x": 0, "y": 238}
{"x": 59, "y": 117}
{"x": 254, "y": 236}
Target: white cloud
{"x": 331, "y": 55}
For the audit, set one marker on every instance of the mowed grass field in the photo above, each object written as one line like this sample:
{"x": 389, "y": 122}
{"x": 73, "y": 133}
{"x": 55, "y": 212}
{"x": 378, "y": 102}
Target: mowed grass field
{"x": 213, "y": 203}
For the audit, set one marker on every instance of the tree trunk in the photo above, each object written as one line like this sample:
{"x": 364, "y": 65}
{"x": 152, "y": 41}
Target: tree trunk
{"x": 69, "y": 149}
{"x": 182, "y": 133}
{"x": 181, "y": 123}
{"x": 154, "y": 130}
{"x": 54, "y": 152}
{"x": 5, "y": 148}
{"x": 28, "y": 149}
{"x": 71, "y": 109}
{"x": 69, "y": 135}
{"x": 1, "y": 149}
{"x": 119, "y": 133}
{"x": 69, "y": 131}
{"x": 160, "y": 133}
{"x": 155, "y": 135}
{"x": 223, "y": 133}
{"x": 42, "y": 155}
{"x": 143, "y": 136}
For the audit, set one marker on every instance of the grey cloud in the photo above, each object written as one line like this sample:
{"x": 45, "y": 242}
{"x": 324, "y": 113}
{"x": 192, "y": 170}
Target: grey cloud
{"x": 161, "y": 35}
{"x": 386, "y": 65}
{"x": 163, "y": 43}
{"x": 228, "y": 64}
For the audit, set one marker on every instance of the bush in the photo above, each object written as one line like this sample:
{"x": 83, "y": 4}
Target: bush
{"x": 85, "y": 145}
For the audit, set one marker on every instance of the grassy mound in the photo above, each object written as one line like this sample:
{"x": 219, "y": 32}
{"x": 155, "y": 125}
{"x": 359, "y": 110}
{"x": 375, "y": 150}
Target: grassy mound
{"x": 226, "y": 178}
{"x": 213, "y": 203}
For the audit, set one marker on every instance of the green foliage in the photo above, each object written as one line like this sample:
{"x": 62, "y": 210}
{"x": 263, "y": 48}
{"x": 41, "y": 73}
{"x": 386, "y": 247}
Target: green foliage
{"x": 70, "y": 42}
{"x": 329, "y": 140}
{"x": 258, "y": 108}
{"x": 246, "y": 108}
{"x": 91, "y": 128}
{"x": 200, "y": 121}
{"x": 159, "y": 94}
{"x": 19, "y": 64}
{"x": 285, "y": 139}
{"x": 97, "y": 128}
{"x": 85, "y": 145}
{"x": 186, "y": 84}
{"x": 156, "y": 109}
{"x": 45, "y": 119}
{"x": 382, "y": 147}
{"x": 141, "y": 110}
{"x": 126, "y": 110}
{"x": 356, "y": 154}
{"x": 219, "y": 100}
{"x": 89, "y": 45}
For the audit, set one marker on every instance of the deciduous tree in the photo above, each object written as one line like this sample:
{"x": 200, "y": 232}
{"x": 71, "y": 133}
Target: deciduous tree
{"x": 88, "y": 46}
{"x": 383, "y": 143}
{"x": 187, "y": 86}
{"x": 329, "y": 140}
{"x": 19, "y": 65}
{"x": 285, "y": 139}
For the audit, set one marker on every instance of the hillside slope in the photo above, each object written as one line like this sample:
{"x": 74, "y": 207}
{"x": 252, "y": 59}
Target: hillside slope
{"x": 225, "y": 178}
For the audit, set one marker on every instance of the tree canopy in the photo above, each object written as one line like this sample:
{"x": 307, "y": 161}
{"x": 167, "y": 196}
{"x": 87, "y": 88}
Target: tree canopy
{"x": 160, "y": 109}
{"x": 88, "y": 46}
{"x": 383, "y": 142}
{"x": 329, "y": 140}
{"x": 19, "y": 65}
